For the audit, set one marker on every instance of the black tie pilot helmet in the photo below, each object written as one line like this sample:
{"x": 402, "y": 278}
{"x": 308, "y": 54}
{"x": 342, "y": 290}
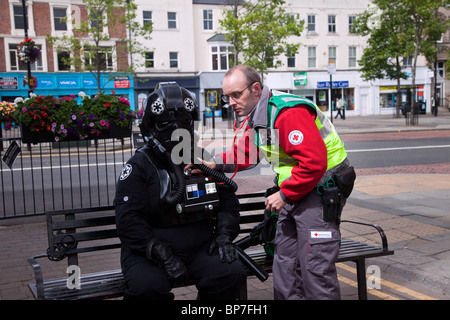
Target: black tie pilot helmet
{"x": 168, "y": 108}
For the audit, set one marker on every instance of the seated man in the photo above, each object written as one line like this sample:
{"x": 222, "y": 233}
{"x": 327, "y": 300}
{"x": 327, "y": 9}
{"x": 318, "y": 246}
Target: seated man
{"x": 165, "y": 238}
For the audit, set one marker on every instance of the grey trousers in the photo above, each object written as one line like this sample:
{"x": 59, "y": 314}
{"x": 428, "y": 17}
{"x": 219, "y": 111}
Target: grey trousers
{"x": 306, "y": 250}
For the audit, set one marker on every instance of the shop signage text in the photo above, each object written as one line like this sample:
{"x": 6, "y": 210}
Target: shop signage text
{"x": 336, "y": 84}
{"x": 9, "y": 83}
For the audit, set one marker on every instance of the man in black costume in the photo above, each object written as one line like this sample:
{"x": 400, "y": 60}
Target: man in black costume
{"x": 175, "y": 227}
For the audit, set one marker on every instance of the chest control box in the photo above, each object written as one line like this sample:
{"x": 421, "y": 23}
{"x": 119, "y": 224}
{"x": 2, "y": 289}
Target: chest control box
{"x": 201, "y": 195}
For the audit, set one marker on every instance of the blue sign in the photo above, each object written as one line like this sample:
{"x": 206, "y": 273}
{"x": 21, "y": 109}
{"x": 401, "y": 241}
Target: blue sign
{"x": 336, "y": 84}
{"x": 90, "y": 83}
{"x": 46, "y": 83}
{"x": 68, "y": 83}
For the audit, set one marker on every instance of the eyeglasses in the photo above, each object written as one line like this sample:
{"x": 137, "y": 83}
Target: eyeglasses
{"x": 235, "y": 95}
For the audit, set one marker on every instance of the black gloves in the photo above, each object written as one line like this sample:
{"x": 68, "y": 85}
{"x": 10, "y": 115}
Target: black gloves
{"x": 227, "y": 250}
{"x": 227, "y": 225}
{"x": 172, "y": 265}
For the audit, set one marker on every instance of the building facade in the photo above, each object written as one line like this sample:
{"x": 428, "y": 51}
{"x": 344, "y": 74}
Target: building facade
{"x": 188, "y": 46}
{"x": 52, "y": 75}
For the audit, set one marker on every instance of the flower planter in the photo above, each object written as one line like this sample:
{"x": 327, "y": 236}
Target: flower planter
{"x": 114, "y": 131}
{"x": 36, "y": 137}
{"x": 69, "y": 120}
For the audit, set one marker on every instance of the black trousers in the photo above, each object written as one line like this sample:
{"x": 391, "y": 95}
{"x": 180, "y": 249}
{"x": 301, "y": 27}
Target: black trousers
{"x": 214, "y": 280}
{"x": 339, "y": 113}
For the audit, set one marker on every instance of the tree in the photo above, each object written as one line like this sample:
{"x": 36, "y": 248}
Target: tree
{"x": 382, "y": 58}
{"x": 406, "y": 27}
{"x": 427, "y": 28}
{"x": 261, "y": 31}
{"x": 100, "y": 39}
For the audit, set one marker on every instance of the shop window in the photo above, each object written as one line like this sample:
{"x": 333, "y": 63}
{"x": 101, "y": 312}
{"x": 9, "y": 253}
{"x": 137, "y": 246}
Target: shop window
{"x": 348, "y": 96}
{"x": 322, "y": 99}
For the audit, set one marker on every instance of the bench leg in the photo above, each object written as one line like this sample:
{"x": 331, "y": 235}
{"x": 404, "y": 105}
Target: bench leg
{"x": 243, "y": 291}
{"x": 361, "y": 277}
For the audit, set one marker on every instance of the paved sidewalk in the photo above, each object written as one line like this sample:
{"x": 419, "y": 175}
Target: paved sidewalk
{"x": 412, "y": 208}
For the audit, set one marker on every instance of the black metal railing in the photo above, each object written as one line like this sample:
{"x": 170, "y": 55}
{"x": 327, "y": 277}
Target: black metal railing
{"x": 64, "y": 175}
{"x": 60, "y": 175}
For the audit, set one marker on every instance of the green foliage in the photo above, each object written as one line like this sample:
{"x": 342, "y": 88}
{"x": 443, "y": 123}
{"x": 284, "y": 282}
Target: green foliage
{"x": 262, "y": 31}
{"x": 397, "y": 29}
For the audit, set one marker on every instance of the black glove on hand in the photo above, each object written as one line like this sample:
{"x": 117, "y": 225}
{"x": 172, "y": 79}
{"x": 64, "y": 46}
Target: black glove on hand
{"x": 227, "y": 250}
{"x": 174, "y": 267}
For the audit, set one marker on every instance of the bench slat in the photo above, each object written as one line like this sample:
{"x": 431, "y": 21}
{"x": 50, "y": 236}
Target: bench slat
{"x": 84, "y": 223}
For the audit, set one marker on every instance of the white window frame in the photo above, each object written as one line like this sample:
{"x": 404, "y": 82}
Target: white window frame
{"x": 208, "y": 21}
{"x": 291, "y": 59}
{"x": 332, "y": 27}
{"x": 177, "y": 60}
{"x": 351, "y": 22}
{"x": 219, "y": 52}
{"x": 352, "y": 56}
{"x": 57, "y": 62}
{"x": 332, "y": 54}
{"x": 35, "y": 66}
{"x": 311, "y": 23}
{"x": 110, "y": 54}
{"x": 144, "y": 20}
{"x": 52, "y": 17}
{"x": 21, "y": 32}
{"x": 312, "y": 57}
{"x": 172, "y": 20}
{"x": 152, "y": 59}
{"x": 105, "y": 23}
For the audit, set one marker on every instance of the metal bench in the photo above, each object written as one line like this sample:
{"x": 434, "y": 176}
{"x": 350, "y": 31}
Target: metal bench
{"x": 74, "y": 232}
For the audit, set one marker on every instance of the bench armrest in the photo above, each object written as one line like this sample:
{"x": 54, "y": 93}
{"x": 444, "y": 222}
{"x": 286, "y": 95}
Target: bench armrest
{"x": 38, "y": 275}
{"x": 378, "y": 228}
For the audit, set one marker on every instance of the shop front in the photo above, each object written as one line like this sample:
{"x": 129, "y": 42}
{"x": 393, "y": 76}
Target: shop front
{"x": 311, "y": 85}
{"x": 211, "y": 96}
{"x": 145, "y": 84}
{"x": 389, "y": 98}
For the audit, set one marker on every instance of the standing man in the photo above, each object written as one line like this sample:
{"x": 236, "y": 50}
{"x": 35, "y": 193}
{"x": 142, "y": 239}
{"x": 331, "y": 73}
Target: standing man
{"x": 305, "y": 151}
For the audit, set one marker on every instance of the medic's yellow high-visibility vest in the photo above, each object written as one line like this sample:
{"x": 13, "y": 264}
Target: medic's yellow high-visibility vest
{"x": 267, "y": 142}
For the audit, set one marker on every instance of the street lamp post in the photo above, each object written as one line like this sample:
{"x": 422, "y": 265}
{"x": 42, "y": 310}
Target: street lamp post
{"x": 25, "y": 28}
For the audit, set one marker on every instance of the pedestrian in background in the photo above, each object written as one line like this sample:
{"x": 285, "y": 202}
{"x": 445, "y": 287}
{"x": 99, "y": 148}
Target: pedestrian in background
{"x": 340, "y": 108}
